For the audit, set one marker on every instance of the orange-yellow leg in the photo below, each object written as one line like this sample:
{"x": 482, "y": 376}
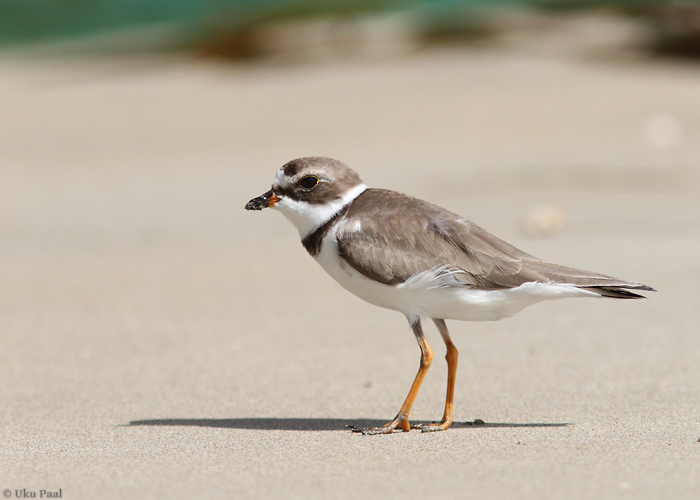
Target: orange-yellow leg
{"x": 401, "y": 420}
{"x": 451, "y": 358}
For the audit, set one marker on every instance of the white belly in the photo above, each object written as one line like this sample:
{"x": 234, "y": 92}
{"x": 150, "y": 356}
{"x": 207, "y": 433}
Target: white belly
{"x": 423, "y": 297}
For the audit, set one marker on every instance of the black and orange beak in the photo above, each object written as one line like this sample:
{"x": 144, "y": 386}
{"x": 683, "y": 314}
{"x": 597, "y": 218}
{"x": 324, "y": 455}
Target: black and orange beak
{"x": 264, "y": 201}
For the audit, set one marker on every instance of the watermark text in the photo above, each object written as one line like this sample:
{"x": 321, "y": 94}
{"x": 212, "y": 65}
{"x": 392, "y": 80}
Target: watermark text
{"x": 25, "y": 493}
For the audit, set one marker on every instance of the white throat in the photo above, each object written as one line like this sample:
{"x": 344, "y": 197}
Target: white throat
{"x": 306, "y": 216}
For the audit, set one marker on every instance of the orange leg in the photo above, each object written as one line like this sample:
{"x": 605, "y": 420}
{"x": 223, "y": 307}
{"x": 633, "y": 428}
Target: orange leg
{"x": 451, "y": 358}
{"x": 401, "y": 420}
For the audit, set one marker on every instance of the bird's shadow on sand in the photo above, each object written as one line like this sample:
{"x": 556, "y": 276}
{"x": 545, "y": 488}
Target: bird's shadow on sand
{"x": 312, "y": 424}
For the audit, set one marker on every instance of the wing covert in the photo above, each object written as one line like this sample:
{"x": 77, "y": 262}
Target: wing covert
{"x": 390, "y": 237}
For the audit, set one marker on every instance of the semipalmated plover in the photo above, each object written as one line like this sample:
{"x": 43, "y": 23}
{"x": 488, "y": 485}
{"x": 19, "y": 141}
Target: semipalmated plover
{"x": 408, "y": 255}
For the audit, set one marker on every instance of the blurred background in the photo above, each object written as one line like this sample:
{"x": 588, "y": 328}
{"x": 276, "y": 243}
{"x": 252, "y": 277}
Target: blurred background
{"x": 454, "y": 96}
{"x": 134, "y": 286}
{"x": 254, "y": 28}
{"x": 133, "y": 132}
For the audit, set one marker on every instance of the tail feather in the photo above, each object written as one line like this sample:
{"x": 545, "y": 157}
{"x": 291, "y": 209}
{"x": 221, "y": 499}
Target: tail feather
{"x": 619, "y": 292}
{"x": 602, "y": 284}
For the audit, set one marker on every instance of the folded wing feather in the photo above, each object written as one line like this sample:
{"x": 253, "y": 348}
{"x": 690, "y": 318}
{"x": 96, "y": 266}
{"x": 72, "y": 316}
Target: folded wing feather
{"x": 402, "y": 237}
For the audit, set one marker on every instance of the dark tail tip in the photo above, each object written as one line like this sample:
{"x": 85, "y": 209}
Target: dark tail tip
{"x": 616, "y": 292}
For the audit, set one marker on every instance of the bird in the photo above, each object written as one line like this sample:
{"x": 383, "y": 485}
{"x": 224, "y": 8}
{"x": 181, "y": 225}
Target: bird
{"x": 414, "y": 257}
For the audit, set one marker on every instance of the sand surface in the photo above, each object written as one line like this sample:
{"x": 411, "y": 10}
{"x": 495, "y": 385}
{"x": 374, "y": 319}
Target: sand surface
{"x": 160, "y": 342}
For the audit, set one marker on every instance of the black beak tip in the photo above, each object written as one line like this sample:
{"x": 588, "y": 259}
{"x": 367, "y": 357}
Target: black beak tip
{"x": 254, "y": 204}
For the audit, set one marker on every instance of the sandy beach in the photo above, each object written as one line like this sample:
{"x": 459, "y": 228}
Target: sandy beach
{"x": 159, "y": 341}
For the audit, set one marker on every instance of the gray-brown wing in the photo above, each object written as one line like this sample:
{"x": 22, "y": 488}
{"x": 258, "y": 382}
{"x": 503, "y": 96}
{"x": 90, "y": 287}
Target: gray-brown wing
{"x": 402, "y": 236}
{"x": 493, "y": 252}
{"x": 390, "y": 237}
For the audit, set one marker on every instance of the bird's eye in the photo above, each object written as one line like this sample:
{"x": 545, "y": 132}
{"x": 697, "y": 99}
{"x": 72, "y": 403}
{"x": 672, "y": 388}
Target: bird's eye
{"x": 309, "y": 182}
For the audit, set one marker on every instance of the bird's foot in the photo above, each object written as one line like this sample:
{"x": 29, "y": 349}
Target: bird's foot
{"x": 434, "y": 427}
{"x": 399, "y": 423}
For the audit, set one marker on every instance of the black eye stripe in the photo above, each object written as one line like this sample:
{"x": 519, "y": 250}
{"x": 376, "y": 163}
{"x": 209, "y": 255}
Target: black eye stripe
{"x": 286, "y": 192}
{"x": 322, "y": 191}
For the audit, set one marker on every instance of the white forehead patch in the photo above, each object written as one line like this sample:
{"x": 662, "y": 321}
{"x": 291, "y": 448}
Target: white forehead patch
{"x": 282, "y": 180}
